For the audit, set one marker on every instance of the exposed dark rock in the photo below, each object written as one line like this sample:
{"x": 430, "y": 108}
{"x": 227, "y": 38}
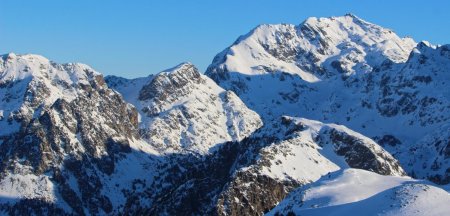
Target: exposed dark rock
{"x": 388, "y": 140}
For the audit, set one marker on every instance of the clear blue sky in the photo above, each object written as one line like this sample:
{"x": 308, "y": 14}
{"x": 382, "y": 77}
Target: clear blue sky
{"x": 137, "y": 38}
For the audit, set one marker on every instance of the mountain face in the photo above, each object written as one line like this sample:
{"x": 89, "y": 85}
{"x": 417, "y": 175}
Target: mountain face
{"x": 335, "y": 115}
{"x": 183, "y": 110}
{"x": 63, "y": 131}
{"x": 346, "y": 71}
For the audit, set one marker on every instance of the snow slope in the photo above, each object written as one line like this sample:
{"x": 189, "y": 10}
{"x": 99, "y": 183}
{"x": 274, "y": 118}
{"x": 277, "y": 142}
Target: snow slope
{"x": 359, "y": 192}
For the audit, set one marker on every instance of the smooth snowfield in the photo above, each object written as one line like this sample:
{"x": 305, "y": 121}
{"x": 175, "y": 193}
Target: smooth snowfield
{"x": 360, "y": 192}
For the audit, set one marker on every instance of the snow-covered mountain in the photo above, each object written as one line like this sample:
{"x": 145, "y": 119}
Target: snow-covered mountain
{"x": 335, "y": 115}
{"x": 314, "y": 50}
{"x": 347, "y": 71}
{"x": 65, "y": 138}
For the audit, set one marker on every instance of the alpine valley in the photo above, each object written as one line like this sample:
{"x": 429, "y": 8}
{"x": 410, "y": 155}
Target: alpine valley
{"x": 334, "y": 116}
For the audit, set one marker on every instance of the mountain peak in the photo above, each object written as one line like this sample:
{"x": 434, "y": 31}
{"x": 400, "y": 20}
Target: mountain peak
{"x": 316, "y": 49}
{"x": 347, "y": 18}
{"x": 17, "y": 67}
{"x": 173, "y": 79}
{"x": 180, "y": 68}
{"x": 10, "y": 55}
{"x": 351, "y": 15}
{"x": 185, "y": 71}
{"x": 181, "y": 102}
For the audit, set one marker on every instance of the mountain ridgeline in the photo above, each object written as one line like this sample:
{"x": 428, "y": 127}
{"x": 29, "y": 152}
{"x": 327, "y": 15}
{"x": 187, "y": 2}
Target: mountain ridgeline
{"x": 334, "y": 115}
